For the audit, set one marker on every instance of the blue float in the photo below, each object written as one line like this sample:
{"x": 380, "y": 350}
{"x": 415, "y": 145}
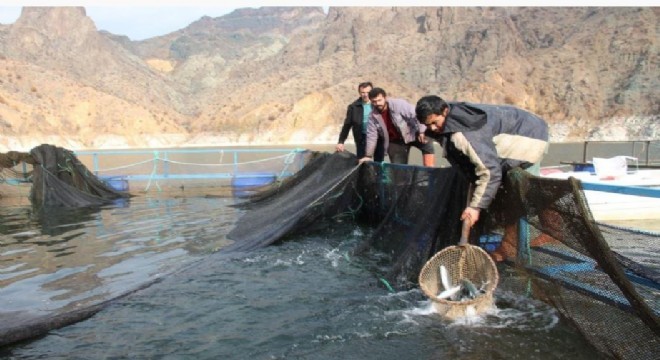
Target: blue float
{"x": 245, "y": 184}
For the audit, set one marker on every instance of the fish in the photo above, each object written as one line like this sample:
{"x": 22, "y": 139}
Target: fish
{"x": 471, "y": 291}
{"x": 444, "y": 277}
{"x": 449, "y": 292}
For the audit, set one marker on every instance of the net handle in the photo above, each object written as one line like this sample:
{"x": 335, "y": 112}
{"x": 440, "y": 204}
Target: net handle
{"x": 465, "y": 232}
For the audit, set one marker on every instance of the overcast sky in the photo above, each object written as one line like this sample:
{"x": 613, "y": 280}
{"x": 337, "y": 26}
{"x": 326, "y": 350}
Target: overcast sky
{"x": 142, "y": 19}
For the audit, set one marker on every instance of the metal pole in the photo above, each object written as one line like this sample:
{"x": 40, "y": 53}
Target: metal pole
{"x": 235, "y": 162}
{"x": 95, "y": 158}
{"x": 166, "y": 165}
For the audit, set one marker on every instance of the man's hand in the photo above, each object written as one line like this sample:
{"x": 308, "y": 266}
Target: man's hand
{"x": 421, "y": 138}
{"x": 365, "y": 159}
{"x": 339, "y": 147}
{"x": 472, "y": 214}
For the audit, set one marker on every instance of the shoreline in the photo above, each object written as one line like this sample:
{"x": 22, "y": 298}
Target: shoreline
{"x": 175, "y": 141}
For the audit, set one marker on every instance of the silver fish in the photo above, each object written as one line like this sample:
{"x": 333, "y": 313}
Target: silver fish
{"x": 444, "y": 277}
{"x": 471, "y": 291}
{"x": 449, "y": 292}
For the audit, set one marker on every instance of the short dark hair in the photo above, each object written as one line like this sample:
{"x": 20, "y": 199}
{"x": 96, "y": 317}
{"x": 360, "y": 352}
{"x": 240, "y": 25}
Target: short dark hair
{"x": 377, "y": 91}
{"x": 428, "y": 105}
{"x": 365, "y": 84}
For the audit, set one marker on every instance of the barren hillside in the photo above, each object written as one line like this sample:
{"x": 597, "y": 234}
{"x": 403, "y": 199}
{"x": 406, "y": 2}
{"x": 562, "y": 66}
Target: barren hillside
{"x": 285, "y": 74}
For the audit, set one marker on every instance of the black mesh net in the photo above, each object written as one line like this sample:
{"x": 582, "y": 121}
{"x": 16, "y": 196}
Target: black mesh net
{"x": 547, "y": 228}
{"x": 58, "y": 178}
{"x": 405, "y": 205}
{"x": 323, "y": 188}
{"x": 605, "y": 295}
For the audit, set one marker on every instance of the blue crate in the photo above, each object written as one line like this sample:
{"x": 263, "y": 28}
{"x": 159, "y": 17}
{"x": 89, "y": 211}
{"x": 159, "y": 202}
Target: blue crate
{"x": 490, "y": 242}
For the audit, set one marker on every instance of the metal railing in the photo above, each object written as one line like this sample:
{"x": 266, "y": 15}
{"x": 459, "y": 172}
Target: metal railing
{"x": 646, "y": 151}
{"x": 228, "y": 166}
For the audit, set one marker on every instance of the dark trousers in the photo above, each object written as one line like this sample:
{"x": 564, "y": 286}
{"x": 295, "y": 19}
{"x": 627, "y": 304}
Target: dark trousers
{"x": 360, "y": 149}
{"x": 399, "y": 152}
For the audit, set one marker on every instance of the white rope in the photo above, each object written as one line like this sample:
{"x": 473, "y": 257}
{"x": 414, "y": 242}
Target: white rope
{"x": 198, "y": 164}
{"x": 127, "y": 166}
{"x": 153, "y": 173}
{"x": 335, "y": 185}
{"x": 195, "y": 164}
{"x": 229, "y": 164}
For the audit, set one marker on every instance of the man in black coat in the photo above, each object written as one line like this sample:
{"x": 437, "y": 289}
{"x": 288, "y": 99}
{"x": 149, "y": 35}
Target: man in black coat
{"x": 357, "y": 115}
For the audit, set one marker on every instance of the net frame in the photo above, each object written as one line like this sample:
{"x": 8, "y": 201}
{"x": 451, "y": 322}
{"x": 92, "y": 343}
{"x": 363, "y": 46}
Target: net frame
{"x": 462, "y": 262}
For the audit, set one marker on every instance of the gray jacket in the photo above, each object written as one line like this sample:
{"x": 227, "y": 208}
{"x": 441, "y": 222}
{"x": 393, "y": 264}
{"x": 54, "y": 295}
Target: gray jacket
{"x": 487, "y": 140}
{"x": 404, "y": 119}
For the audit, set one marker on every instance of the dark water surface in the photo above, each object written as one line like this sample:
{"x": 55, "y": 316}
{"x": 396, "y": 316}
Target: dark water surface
{"x": 306, "y": 298}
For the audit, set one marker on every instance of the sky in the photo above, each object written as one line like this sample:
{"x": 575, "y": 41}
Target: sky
{"x": 142, "y": 19}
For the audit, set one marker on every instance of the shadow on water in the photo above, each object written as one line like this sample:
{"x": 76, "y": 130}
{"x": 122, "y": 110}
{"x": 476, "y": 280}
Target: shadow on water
{"x": 304, "y": 299}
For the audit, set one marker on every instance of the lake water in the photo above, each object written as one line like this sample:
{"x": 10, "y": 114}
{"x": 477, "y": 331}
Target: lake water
{"x": 304, "y": 299}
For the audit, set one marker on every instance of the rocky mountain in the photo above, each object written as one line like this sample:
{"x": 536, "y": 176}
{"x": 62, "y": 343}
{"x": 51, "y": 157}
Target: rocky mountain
{"x": 286, "y": 74}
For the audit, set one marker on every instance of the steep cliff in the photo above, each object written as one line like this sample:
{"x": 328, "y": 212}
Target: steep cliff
{"x": 286, "y": 74}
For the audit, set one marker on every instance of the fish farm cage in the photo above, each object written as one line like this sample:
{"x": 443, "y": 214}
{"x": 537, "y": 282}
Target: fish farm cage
{"x": 610, "y": 298}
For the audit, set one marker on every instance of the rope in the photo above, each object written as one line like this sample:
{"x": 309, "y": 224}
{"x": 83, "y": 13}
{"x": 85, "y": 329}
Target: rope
{"x": 153, "y": 173}
{"x": 290, "y": 157}
{"x": 351, "y": 211}
{"x": 156, "y": 158}
{"x": 68, "y": 168}
{"x": 127, "y": 166}
{"x": 381, "y": 279}
{"x": 334, "y": 186}
{"x": 231, "y": 164}
{"x": 385, "y": 173}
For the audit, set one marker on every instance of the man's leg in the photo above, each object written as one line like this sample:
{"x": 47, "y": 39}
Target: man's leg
{"x": 517, "y": 235}
{"x": 398, "y": 153}
{"x": 379, "y": 154}
{"x": 360, "y": 147}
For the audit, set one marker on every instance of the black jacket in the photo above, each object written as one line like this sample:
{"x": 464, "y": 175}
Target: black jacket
{"x": 353, "y": 121}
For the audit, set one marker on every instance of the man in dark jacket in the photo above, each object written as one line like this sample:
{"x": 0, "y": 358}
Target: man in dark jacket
{"x": 484, "y": 141}
{"x": 357, "y": 115}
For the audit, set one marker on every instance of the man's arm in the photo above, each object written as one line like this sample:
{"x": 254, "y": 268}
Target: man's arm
{"x": 343, "y": 134}
{"x": 488, "y": 172}
{"x": 408, "y": 113}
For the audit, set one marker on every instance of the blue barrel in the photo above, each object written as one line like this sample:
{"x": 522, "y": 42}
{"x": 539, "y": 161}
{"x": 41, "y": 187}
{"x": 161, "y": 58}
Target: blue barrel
{"x": 584, "y": 167}
{"x": 245, "y": 184}
{"x": 118, "y": 183}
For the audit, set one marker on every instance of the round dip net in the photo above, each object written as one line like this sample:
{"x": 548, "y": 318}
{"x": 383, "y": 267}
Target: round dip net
{"x": 460, "y": 281}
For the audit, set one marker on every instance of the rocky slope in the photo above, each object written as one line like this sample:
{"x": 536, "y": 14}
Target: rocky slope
{"x": 285, "y": 74}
